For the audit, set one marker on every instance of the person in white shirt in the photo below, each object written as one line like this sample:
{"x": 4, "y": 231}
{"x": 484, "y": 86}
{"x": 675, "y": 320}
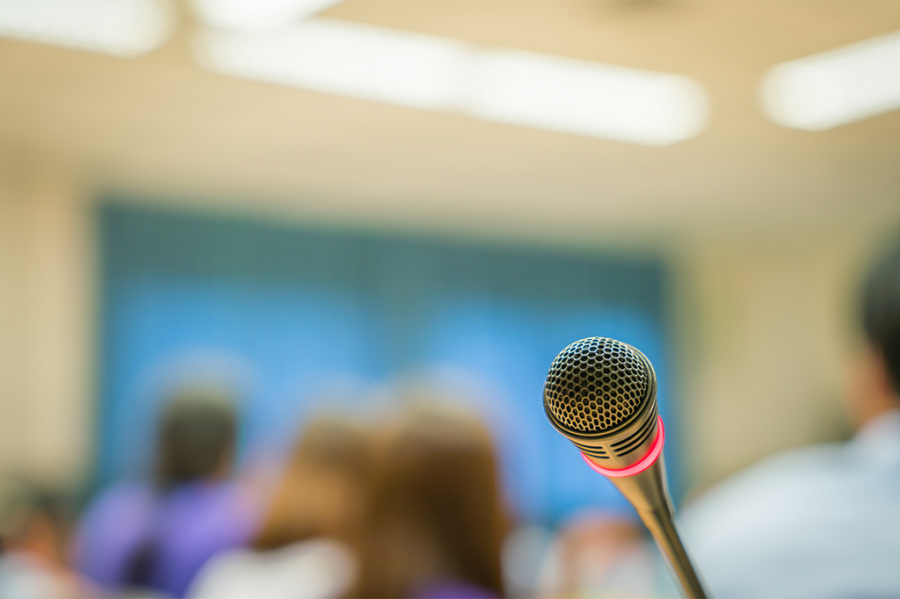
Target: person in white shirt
{"x": 822, "y": 521}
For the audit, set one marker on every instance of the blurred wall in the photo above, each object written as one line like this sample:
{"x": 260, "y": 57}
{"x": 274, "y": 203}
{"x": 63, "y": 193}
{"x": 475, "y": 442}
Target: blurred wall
{"x": 291, "y": 315}
{"x": 768, "y": 330}
{"x": 46, "y": 324}
{"x": 764, "y": 329}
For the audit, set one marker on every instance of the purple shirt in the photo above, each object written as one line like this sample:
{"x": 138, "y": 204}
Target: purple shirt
{"x": 453, "y": 589}
{"x": 176, "y": 532}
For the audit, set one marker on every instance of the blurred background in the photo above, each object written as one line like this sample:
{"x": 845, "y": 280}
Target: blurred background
{"x": 311, "y": 205}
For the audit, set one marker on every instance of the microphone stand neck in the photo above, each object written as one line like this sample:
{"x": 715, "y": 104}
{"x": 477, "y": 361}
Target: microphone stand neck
{"x": 649, "y": 494}
{"x": 662, "y": 526}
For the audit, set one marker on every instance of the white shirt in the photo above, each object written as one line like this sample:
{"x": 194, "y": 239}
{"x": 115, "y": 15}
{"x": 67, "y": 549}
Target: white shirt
{"x": 821, "y": 522}
{"x": 24, "y": 576}
{"x": 319, "y": 569}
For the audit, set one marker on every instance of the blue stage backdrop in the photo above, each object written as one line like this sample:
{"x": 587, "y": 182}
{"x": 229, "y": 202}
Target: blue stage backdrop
{"x": 296, "y": 319}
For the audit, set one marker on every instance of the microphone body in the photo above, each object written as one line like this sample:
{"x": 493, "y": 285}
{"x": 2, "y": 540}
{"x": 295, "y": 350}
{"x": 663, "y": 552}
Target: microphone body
{"x": 601, "y": 395}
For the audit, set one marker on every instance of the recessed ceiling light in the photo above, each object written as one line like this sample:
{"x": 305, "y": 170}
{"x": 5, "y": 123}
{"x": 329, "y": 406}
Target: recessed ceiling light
{"x": 837, "y": 87}
{"x": 434, "y": 73}
{"x": 120, "y": 27}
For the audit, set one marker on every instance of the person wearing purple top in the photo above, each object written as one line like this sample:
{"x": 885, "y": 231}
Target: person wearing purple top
{"x": 156, "y": 536}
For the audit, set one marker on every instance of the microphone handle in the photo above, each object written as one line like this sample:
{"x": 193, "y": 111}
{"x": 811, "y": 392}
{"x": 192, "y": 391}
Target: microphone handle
{"x": 661, "y": 525}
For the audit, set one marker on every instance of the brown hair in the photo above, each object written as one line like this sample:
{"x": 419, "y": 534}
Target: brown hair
{"x": 436, "y": 508}
{"x": 322, "y": 492}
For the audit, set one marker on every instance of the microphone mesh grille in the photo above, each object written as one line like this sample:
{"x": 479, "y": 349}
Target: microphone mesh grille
{"x": 595, "y": 384}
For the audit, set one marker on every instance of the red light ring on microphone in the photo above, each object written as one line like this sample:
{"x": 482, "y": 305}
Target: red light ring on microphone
{"x": 642, "y": 465}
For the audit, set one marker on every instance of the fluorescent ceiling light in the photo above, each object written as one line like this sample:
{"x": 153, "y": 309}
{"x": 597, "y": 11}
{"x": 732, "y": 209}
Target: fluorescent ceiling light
{"x": 343, "y": 58}
{"x": 586, "y": 98}
{"x": 120, "y": 27}
{"x": 434, "y": 73}
{"x": 833, "y": 88}
{"x": 256, "y": 15}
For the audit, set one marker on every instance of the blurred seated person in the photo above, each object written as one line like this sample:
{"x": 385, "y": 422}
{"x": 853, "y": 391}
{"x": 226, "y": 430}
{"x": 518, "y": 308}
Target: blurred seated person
{"x": 437, "y": 521}
{"x": 315, "y": 520}
{"x": 822, "y": 521}
{"x": 602, "y": 554}
{"x": 156, "y": 535}
{"x": 33, "y": 528}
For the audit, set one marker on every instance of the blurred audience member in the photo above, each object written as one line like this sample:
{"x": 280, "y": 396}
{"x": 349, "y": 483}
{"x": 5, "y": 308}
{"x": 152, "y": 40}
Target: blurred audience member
{"x": 822, "y": 521}
{"x": 32, "y": 545}
{"x": 157, "y": 535}
{"x": 601, "y": 555}
{"x": 525, "y": 550}
{"x": 315, "y": 521}
{"x": 437, "y": 519}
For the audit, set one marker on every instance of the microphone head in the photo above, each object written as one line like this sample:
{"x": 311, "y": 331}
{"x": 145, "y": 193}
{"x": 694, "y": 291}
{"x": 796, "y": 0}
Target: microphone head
{"x": 601, "y": 394}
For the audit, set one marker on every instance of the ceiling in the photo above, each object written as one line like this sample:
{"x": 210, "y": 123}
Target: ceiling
{"x": 160, "y": 127}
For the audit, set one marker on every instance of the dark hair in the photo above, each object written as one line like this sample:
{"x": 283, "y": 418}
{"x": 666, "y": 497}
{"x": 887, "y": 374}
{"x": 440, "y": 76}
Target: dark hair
{"x": 437, "y": 514}
{"x": 24, "y": 503}
{"x": 196, "y": 437}
{"x": 881, "y": 311}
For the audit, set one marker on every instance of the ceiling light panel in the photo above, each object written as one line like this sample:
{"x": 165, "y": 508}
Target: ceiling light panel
{"x": 434, "y": 73}
{"x": 119, "y": 27}
{"x": 331, "y": 56}
{"x": 837, "y": 87}
{"x": 256, "y": 15}
{"x": 586, "y": 98}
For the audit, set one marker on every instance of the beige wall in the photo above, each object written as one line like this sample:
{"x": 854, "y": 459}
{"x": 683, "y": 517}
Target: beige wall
{"x": 768, "y": 330}
{"x": 46, "y": 324}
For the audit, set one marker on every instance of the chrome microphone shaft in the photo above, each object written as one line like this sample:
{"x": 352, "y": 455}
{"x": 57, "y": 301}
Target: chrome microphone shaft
{"x": 648, "y": 492}
{"x": 661, "y": 525}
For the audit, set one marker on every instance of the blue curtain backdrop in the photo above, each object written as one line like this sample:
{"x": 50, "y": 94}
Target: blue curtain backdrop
{"x": 289, "y": 315}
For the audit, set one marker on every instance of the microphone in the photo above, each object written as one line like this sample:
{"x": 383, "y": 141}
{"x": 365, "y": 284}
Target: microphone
{"x": 601, "y": 395}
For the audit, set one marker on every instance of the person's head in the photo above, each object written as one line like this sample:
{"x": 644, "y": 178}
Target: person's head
{"x": 32, "y": 520}
{"x": 196, "y": 439}
{"x": 876, "y": 386}
{"x": 437, "y": 514}
{"x": 881, "y": 314}
{"x": 323, "y": 490}
{"x": 600, "y": 553}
